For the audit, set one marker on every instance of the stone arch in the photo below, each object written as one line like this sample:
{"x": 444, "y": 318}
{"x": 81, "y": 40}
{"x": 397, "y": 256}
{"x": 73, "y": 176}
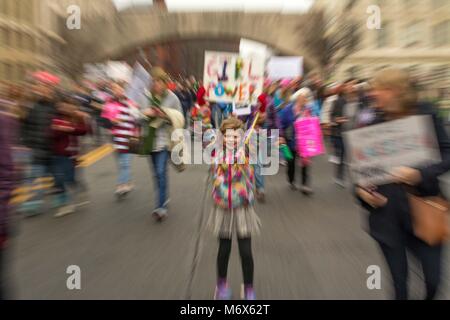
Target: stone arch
{"x": 129, "y": 30}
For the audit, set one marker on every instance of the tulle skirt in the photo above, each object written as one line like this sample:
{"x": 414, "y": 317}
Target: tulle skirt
{"x": 224, "y": 223}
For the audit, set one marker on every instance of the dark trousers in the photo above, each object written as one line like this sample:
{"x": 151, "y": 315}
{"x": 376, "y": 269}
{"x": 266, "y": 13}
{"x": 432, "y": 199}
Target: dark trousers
{"x": 429, "y": 257}
{"x": 64, "y": 172}
{"x": 339, "y": 148}
{"x": 2, "y": 275}
{"x": 245, "y": 251}
{"x": 291, "y": 165}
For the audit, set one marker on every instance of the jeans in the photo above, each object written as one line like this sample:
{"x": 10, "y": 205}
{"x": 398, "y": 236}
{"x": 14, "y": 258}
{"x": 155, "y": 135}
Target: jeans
{"x": 124, "y": 160}
{"x": 159, "y": 162}
{"x": 37, "y": 172}
{"x": 64, "y": 171}
{"x": 259, "y": 178}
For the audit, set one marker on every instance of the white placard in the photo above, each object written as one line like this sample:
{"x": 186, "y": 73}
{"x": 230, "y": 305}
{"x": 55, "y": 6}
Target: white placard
{"x": 375, "y": 150}
{"x": 119, "y": 71}
{"x": 229, "y": 77}
{"x": 242, "y": 110}
{"x": 285, "y": 67}
{"x": 138, "y": 86}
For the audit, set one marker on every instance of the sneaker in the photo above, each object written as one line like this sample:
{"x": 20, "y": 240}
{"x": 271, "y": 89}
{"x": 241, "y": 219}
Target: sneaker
{"x": 120, "y": 192}
{"x": 340, "y": 182}
{"x": 306, "y": 190}
{"x": 222, "y": 292}
{"x": 64, "y": 211}
{"x": 59, "y": 200}
{"x": 293, "y": 186}
{"x": 32, "y": 208}
{"x": 260, "y": 195}
{"x": 248, "y": 293}
{"x": 128, "y": 188}
{"x": 334, "y": 159}
{"x": 82, "y": 199}
{"x": 160, "y": 214}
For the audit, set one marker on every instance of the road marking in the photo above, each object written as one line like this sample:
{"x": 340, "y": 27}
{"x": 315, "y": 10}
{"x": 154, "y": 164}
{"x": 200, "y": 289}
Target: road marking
{"x": 24, "y": 193}
{"x": 95, "y": 155}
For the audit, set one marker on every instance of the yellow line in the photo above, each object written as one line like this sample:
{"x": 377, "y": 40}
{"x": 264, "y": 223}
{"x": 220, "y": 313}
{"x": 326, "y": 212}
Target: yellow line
{"x": 94, "y": 152}
{"x": 24, "y": 193}
{"x": 20, "y": 199}
{"x": 96, "y": 155}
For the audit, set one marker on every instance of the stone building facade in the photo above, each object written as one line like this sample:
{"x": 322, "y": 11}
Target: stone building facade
{"x": 414, "y": 35}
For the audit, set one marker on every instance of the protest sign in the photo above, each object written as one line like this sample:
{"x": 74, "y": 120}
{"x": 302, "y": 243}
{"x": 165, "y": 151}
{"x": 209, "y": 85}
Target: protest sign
{"x": 285, "y": 67}
{"x": 119, "y": 71}
{"x": 374, "y": 151}
{"x": 242, "y": 109}
{"x": 140, "y": 83}
{"x": 230, "y": 78}
{"x": 309, "y": 137}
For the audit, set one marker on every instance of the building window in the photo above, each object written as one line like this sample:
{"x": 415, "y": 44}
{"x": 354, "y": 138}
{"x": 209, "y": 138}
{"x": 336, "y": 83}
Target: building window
{"x": 8, "y": 72}
{"x": 413, "y": 34}
{"x": 437, "y": 4}
{"x": 3, "y": 7}
{"x": 17, "y": 7}
{"x": 3, "y": 37}
{"x": 410, "y": 3}
{"x": 7, "y": 5}
{"x": 20, "y": 41}
{"x": 12, "y": 39}
{"x": 441, "y": 34}
{"x": 383, "y": 35}
{"x": 2, "y": 71}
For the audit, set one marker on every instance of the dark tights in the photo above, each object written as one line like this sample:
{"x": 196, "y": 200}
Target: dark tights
{"x": 245, "y": 251}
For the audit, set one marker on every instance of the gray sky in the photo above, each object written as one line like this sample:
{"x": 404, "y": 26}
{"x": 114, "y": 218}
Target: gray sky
{"x": 285, "y": 6}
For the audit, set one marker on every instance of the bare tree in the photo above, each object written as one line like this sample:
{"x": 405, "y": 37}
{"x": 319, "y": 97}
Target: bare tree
{"x": 329, "y": 40}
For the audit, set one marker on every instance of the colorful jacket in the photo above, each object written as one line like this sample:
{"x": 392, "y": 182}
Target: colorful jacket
{"x": 233, "y": 183}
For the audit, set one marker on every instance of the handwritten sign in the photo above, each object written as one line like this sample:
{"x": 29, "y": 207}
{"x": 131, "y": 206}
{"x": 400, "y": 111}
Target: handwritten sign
{"x": 309, "y": 137}
{"x": 229, "y": 77}
{"x": 375, "y": 150}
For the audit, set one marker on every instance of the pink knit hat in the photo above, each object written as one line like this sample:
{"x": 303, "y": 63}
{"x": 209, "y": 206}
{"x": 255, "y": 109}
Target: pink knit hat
{"x": 47, "y": 78}
{"x": 285, "y": 83}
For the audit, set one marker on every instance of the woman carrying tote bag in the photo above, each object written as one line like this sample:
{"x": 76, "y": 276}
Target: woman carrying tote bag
{"x": 392, "y": 209}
